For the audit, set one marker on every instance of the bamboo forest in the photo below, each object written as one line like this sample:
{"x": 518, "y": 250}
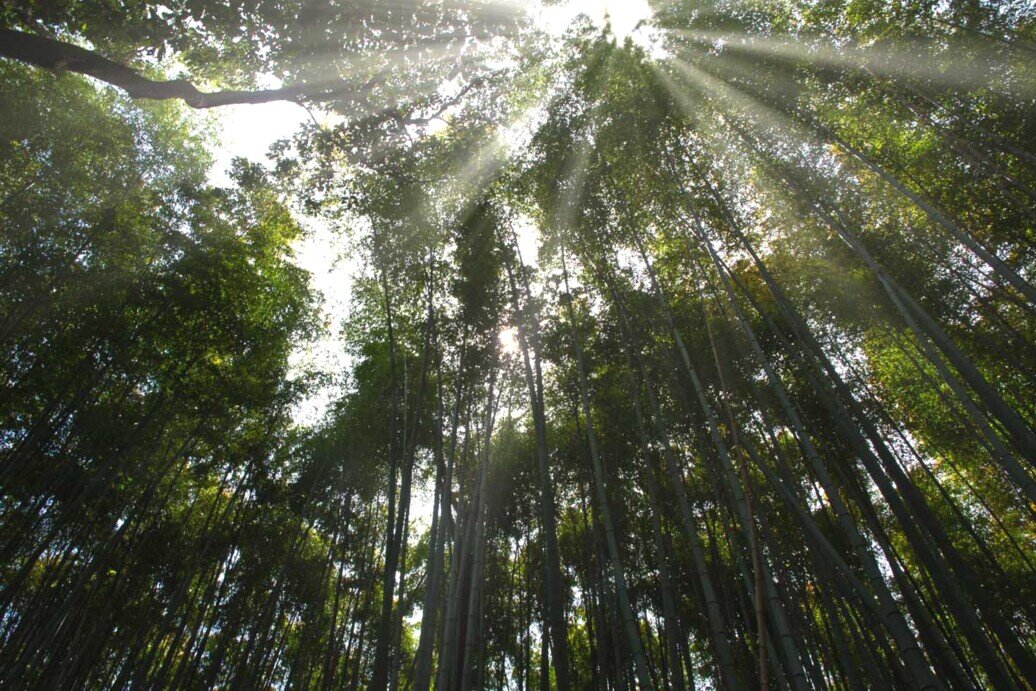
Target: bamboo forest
{"x": 546, "y": 344}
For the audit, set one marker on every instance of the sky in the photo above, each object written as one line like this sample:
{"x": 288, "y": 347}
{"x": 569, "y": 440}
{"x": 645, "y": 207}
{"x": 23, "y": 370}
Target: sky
{"x": 248, "y": 131}
{"x": 624, "y": 15}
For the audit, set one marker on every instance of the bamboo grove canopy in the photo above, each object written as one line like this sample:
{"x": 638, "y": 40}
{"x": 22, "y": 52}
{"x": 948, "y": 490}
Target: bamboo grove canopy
{"x": 699, "y": 354}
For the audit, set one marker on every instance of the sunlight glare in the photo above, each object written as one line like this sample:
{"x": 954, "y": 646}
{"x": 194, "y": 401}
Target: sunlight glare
{"x": 625, "y": 16}
{"x": 508, "y": 339}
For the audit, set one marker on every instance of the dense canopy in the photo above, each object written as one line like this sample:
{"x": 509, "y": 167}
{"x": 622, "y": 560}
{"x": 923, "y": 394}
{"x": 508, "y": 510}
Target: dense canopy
{"x": 690, "y": 347}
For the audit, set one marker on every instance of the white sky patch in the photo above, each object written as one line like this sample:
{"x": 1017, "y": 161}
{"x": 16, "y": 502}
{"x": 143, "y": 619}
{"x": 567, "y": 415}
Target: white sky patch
{"x": 625, "y": 17}
{"x": 528, "y": 236}
{"x": 248, "y": 131}
{"x": 422, "y": 502}
{"x": 320, "y": 251}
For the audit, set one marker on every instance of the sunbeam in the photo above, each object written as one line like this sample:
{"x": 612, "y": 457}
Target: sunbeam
{"x": 949, "y": 63}
{"x": 480, "y": 165}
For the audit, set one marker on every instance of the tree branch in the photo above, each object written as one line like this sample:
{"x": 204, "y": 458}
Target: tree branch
{"x": 58, "y": 55}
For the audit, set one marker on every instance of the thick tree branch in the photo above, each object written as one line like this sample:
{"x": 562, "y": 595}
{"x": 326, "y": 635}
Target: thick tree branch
{"x": 57, "y": 55}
